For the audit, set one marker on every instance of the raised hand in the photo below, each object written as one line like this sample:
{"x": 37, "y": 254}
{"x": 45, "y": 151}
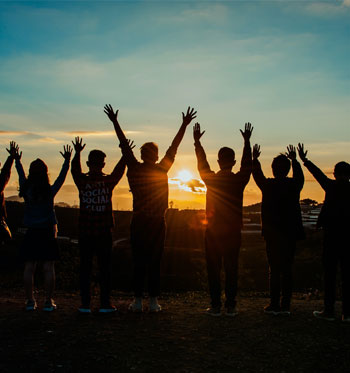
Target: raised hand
{"x": 190, "y": 115}
{"x": 131, "y": 144}
{"x": 197, "y": 134}
{"x": 113, "y": 116}
{"x": 248, "y": 129}
{"x": 67, "y": 152}
{"x": 291, "y": 152}
{"x": 14, "y": 151}
{"x": 78, "y": 144}
{"x": 256, "y": 151}
{"x": 302, "y": 153}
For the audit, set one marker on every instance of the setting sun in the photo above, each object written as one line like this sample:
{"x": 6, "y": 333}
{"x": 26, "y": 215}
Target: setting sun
{"x": 185, "y": 176}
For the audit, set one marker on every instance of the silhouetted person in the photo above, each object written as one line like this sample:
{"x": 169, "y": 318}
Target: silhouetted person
{"x": 224, "y": 217}
{"x": 4, "y": 179}
{"x": 281, "y": 223}
{"x": 40, "y": 241}
{"x": 148, "y": 182}
{"x": 334, "y": 219}
{"x": 95, "y": 222}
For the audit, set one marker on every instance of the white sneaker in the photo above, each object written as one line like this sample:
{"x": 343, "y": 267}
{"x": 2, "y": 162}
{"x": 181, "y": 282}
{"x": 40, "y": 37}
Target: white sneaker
{"x": 154, "y": 306}
{"x": 136, "y": 305}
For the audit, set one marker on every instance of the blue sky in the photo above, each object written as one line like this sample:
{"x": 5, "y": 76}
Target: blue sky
{"x": 282, "y": 65}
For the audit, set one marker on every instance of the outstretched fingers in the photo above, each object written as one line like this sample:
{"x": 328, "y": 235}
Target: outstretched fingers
{"x": 197, "y": 134}
{"x": 256, "y": 151}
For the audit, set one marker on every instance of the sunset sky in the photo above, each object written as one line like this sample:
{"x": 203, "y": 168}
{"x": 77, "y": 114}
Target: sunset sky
{"x": 281, "y": 65}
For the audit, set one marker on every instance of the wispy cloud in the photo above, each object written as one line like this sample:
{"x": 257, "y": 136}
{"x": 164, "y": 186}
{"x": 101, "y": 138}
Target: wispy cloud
{"x": 328, "y": 9}
{"x": 194, "y": 185}
{"x": 99, "y": 133}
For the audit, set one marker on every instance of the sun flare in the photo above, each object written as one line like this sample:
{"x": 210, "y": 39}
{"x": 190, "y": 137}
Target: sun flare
{"x": 185, "y": 176}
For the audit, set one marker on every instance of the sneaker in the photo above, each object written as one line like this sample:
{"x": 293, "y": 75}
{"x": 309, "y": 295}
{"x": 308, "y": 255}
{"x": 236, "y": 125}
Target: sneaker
{"x": 272, "y": 310}
{"x": 154, "y": 306}
{"x": 84, "y": 309}
{"x": 31, "y": 305}
{"x": 136, "y": 305}
{"x": 345, "y": 319}
{"x": 324, "y": 315}
{"x": 213, "y": 311}
{"x": 231, "y": 311}
{"x": 107, "y": 309}
{"x": 49, "y": 306}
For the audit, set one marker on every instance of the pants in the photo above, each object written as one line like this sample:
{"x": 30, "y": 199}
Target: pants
{"x": 336, "y": 250}
{"x": 280, "y": 255}
{"x": 147, "y": 241}
{"x": 101, "y": 246}
{"x": 222, "y": 248}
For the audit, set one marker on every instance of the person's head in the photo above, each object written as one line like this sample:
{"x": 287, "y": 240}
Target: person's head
{"x": 38, "y": 170}
{"x": 149, "y": 152}
{"x": 280, "y": 166}
{"x": 37, "y": 181}
{"x": 96, "y": 161}
{"x": 342, "y": 171}
{"x": 226, "y": 158}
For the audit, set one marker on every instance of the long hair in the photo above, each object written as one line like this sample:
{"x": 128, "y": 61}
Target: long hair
{"x": 37, "y": 181}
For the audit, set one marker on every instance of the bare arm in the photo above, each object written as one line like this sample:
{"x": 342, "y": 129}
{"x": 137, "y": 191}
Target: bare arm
{"x": 321, "y": 178}
{"x": 298, "y": 174}
{"x": 246, "y": 162}
{"x": 258, "y": 174}
{"x": 119, "y": 169}
{"x": 126, "y": 148}
{"x": 6, "y": 170}
{"x": 202, "y": 163}
{"x": 76, "y": 166}
{"x": 169, "y": 157}
{"x": 64, "y": 170}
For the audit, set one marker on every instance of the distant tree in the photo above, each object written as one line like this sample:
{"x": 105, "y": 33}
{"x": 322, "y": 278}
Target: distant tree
{"x": 308, "y": 202}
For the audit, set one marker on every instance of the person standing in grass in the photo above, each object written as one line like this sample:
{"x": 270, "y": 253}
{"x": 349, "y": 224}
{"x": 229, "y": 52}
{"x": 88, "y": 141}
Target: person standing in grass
{"x": 148, "y": 182}
{"x": 281, "y": 223}
{"x": 334, "y": 219}
{"x": 224, "y": 217}
{"x": 95, "y": 222}
{"x": 40, "y": 240}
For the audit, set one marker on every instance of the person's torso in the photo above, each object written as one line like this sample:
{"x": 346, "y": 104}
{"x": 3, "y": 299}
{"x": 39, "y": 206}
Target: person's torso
{"x": 149, "y": 187}
{"x": 224, "y": 200}
{"x": 39, "y": 209}
{"x": 280, "y": 210}
{"x": 95, "y": 193}
{"x": 336, "y": 208}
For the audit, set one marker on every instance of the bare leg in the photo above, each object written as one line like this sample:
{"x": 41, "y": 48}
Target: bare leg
{"x": 28, "y": 278}
{"x": 49, "y": 274}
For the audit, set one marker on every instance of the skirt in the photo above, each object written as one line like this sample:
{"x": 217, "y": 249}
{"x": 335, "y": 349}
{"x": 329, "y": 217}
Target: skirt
{"x": 39, "y": 244}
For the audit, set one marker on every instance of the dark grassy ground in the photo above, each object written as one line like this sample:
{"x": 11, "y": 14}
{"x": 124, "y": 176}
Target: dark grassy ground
{"x": 180, "y": 339}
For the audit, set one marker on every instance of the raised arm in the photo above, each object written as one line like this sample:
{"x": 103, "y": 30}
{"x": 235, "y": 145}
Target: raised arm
{"x": 126, "y": 148}
{"x": 6, "y": 170}
{"x": 76, "y": 166}
{"x": 119, "y": 169}
{"x": 321, "y": 178}
{"x": 67, "y": 153}
{"x": 169, "y": 157}
{"x": 202, "y": 163}
{"x": 246, "y": 162}
{"x": 298, "y": 174}
{"x": 258, "y": 174}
